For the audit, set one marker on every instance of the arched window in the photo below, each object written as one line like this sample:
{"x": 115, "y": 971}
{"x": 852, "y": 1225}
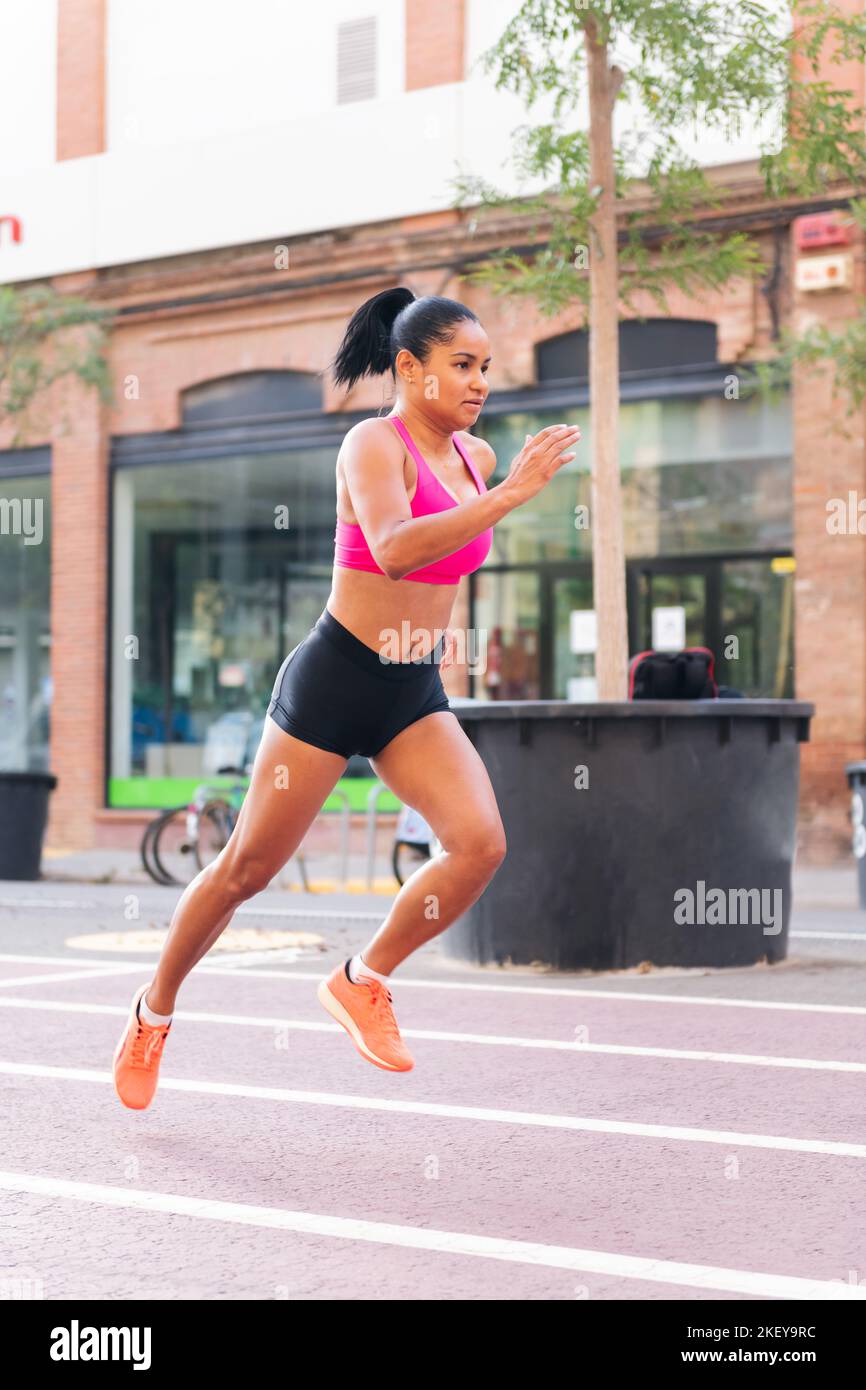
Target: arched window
{"x": 654, "y": 345}
{"x": 250, "y": 396}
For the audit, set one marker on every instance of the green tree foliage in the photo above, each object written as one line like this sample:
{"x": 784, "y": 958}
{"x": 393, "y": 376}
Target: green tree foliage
{"x": 683, "y": 66}
{"x": 45, "y": 336}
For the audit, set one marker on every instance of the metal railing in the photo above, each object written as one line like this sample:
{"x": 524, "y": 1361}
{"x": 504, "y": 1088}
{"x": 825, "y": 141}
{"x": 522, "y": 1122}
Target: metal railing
{"x": 372, "y": 825}
{"x": 345, "y": 825}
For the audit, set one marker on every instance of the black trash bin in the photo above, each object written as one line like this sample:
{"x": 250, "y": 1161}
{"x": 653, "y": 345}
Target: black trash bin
{"x": 23, "y": 815}
{"x": 658, "y": 831}
{"x": 856, "y": 774}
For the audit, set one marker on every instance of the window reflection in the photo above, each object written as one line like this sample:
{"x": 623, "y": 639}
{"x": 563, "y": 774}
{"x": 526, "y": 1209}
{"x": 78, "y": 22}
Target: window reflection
{"x": 25, "y": 623}
{"x": 221, "y": 566}
{"x": 506, "y": 612}
{"x": 218, "y": 564}
{"x": 703, "y": 478}
{"x": 758, "y": 614}
{"x": 698, "y": 475}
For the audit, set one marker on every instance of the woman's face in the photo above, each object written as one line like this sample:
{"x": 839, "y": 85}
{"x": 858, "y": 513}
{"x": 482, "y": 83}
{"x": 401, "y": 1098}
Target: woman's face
{"x": 452, "y": 384}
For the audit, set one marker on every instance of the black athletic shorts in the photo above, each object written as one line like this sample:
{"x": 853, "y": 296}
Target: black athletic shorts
{"x": 335, "y": 692}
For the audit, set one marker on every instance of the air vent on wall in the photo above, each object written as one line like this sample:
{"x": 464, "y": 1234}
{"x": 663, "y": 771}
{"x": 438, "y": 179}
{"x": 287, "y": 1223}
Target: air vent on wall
{"x": 356, "y": 60}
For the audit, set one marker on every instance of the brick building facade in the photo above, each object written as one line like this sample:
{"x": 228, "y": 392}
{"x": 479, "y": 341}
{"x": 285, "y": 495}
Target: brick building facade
{"x": 229, "y": 315}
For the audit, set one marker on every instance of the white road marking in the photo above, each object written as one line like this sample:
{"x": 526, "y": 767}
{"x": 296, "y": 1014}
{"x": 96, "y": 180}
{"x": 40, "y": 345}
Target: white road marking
{"x": 66, "y": 960}
{"x": 339, "y": 915}
{"x": 13, "y": 981}
{"x": 742, "y": 1281}
{"x": 731, "y": 1138}
{"x": 238, "y": 961}
{"x": 60, "y": 903}
{"x": 559, "y": 991}
{"x": 80, "y": 905}
{"x": 441, "y": 1035}
{"x": 828, "y": 935}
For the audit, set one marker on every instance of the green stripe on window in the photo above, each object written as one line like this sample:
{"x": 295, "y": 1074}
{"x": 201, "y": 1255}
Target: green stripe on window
{"x": 159, "y": 793}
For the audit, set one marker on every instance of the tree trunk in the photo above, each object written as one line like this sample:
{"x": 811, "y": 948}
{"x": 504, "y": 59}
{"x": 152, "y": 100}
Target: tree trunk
{"x": 608, "y": 555}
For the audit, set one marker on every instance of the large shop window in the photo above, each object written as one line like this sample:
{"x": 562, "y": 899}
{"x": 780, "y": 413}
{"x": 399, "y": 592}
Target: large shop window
{"x": 25, "y": 610}
{"x": 698, "y": 475}
{"x": 708, "y": 531}
{"x": 210, "y": 590}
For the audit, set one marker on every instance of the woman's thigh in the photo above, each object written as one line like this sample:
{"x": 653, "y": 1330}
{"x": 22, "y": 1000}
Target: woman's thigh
{"x": 290, "y": 781}
{"x": 433, "y": 767}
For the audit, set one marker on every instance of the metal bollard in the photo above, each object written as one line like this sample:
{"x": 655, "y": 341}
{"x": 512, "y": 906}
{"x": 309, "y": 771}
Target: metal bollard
{"x": 372, "y": 812}
{"x": 345, "y": 818}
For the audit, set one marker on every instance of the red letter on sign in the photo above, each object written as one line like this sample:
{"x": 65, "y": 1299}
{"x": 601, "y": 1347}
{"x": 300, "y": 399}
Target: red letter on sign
{"x": 15, "y": 224}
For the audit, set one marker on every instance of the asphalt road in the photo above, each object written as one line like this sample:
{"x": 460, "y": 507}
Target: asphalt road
{"x": 624, "y": 1136}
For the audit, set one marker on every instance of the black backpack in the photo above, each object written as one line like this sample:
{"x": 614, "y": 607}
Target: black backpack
{"x": 685, "y": 675}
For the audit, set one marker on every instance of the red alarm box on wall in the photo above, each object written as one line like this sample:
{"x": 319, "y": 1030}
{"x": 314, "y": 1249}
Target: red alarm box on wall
{"x": 822, "y": 229}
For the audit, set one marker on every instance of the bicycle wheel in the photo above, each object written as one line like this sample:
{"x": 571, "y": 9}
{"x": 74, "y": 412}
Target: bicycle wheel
{"x": 146, "y": 850}
{"x": 172, "y": 849}
{"x": 216, "y": 821}
{"x": 407, "y": 858}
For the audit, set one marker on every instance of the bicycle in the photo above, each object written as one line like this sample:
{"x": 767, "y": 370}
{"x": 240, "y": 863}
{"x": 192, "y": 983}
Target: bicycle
{"x": 183, "y": 840}
{"x": 414, "y": 843}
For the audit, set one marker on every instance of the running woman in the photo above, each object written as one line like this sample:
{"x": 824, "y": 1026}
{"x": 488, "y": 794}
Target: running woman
{"x": 414, "y": 514}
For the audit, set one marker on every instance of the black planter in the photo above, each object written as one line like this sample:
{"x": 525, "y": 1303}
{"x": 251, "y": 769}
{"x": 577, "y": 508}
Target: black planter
{"x": 23, "y": 814}
{"x": 680, "y": 794}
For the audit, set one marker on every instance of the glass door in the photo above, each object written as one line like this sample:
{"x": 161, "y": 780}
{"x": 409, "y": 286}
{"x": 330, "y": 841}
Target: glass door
{"x": 741, "y": 608}
{"x": 673, "y": 604}
{"x": 572, "y": 638}
{"x": 504, "y": 655}
{"x": 756, "y": 655}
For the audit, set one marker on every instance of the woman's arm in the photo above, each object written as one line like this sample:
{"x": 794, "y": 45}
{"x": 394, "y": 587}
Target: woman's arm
{"x": 399, "y": 542}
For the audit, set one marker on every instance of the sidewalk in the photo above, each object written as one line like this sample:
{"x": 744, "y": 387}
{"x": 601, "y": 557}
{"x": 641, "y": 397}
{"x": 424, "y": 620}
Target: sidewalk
{"x": 833, "y": 887}
{"x": 123, "y": 866}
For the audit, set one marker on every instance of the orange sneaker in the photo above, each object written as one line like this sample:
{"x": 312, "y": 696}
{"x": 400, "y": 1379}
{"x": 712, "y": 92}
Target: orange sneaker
{"x": 364, "y": 1010}
{"x": 137, "y": 1057}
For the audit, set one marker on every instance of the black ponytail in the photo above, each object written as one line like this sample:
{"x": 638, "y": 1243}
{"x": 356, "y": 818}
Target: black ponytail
{"x": 390, "y": 321}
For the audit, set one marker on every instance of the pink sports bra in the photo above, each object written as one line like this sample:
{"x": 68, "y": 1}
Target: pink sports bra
{"x": 351, "y": 550}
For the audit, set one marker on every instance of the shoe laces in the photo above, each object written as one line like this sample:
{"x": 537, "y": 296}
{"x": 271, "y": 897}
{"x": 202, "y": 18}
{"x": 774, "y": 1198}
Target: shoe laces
{"x": 146, "y": 1044}
{"x": 381, "y": 1006}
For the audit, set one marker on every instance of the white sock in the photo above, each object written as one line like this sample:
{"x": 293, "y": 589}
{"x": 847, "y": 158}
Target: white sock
{"x": 148, "y": 1016}
{"x": 358, "y": 966}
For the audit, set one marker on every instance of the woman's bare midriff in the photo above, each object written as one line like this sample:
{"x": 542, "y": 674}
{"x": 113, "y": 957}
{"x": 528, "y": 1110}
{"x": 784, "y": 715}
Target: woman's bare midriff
{"x": 372, "y": 606}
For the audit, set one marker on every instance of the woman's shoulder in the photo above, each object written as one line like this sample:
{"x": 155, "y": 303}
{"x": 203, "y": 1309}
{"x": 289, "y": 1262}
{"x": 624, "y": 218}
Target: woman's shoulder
{"x": 480, "y": 452}
{"x": 374, "y": 427}
{"x": 373, "y": 435}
